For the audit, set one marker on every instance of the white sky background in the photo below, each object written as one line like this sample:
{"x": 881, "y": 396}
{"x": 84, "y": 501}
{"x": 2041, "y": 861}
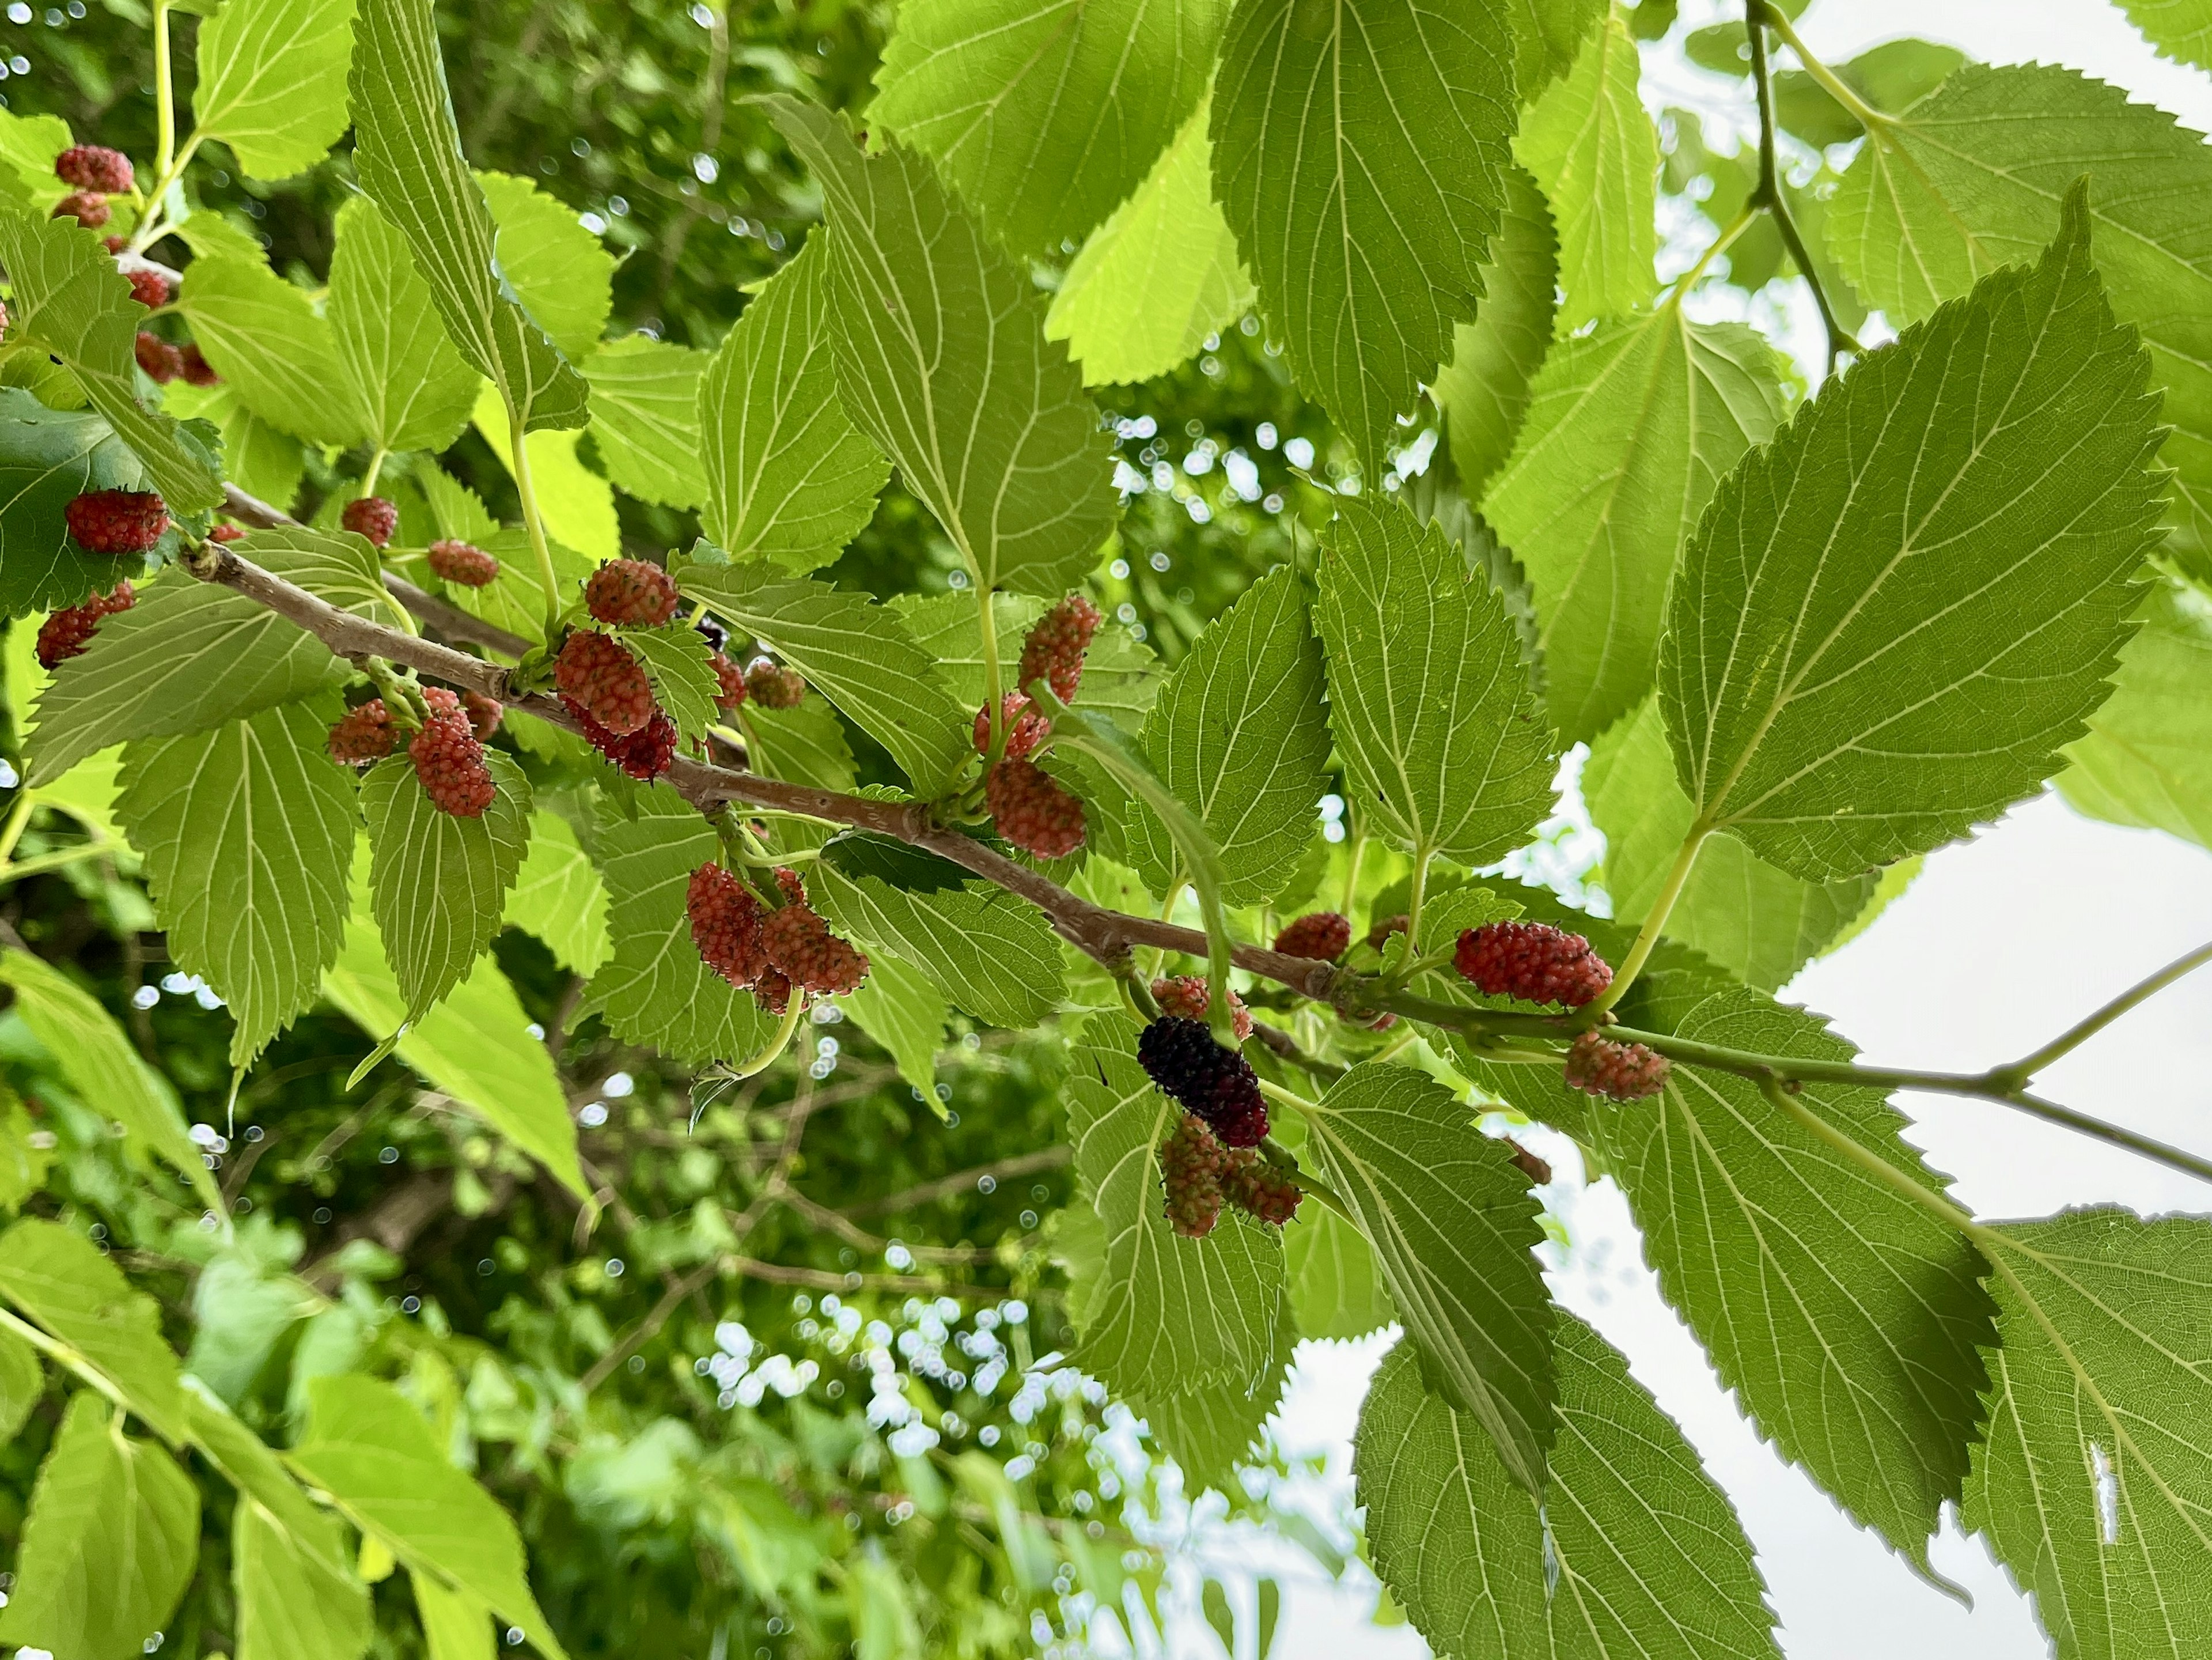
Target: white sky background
{"x": 2001, "y": 943}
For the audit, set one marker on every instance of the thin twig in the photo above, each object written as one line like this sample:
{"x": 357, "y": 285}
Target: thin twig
{"x": 1767, "y": 193}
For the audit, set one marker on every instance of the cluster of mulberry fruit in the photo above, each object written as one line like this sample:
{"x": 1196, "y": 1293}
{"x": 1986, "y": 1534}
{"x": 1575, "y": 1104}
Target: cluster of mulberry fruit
{"x": 1323, "y": 935}
{"x": 1186, "y": 997}
{"x": 164, "y": 362}
{"x": 63, "y": 635}
{"x": 644, "y": 754}
{"x": 117, "y": 521}
{"x": 94, "y": 172}
{"x": 448, "y": 752}
{"x": 768, "y": 951}
{"x": 1533, "y": 962}
{"x": 1032, "y": 811}
{"x": 148, "y": 287}
{"x": 1199, "y": 1176}
{"x": 729, "y": 681}
{"x": 371, "y": 516}
{"x": 1621, "y": 1072}
{"x": 600, "y": 680}
{"x": 1186, "y": 1066}
{"x": 774, "y": 685}
{"x": 726, "y": 925}
{"x": 1025, "y": 727}
{"x": 1053, "y": 649}
{"x": 364, "y": 733}
{"x": 462, "y": 563}
{"x": 630, "y": 593}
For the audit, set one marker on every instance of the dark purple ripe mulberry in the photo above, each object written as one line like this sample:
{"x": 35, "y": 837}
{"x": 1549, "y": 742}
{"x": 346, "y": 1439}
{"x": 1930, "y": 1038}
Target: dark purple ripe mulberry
{"x": 1219, "y": 1084}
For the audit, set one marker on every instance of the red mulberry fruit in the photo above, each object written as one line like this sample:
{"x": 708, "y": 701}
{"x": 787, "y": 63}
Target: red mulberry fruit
{"x": 94, "y": 168}
{"x": 802, "y": 947}
{"x": 63, "y": 635}
{"x": 365, "y": 734}
{"x": 192, "y": 364}
{"x": 1260, "y": 1189}
{"x": 1621, "y": 1072}
{"x": 597, "y": 674}
{"x": 1053, "y": 651}
{"x": 729, "y": 680}
{"x": 1025, "y": 727}
{"x": 462, "y": 563}
{"x": 772, "y": 685}
{"x": 632, "y": 592}
{"x": 371, "y": 516}
{"x": 725, "y": 925}
{"x": 162, "y": 362}
{"x": 1033, "y": 811}
{"x": 771, "y": 991}
{"x": 149, "y": 287}
{"x": 88, "y": 208}
{"x": 1532, "y": 961}
{"x": 1219, "y": 1084}
{"x": 1191, "y": 1163}
{"x": 117, "y": 521}
{"x": 227, "y": 534}
{"x": 484, "y": 713}
{"x": 448, "y": 760}
{"x": 643, "y": 754}
{"x": 1322, "y": 934}
{"x": 1185, "y": 996}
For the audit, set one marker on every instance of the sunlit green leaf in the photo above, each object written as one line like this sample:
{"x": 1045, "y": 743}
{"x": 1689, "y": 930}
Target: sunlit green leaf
{"x": 415, "y": 390}
{"x": 1483, "y": 392}
{"x": 272, "y": 81}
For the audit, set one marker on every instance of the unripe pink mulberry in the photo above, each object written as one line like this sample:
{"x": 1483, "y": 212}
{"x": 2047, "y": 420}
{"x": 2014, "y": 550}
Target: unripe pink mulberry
{"x": 801, "y": 945}
{"x": 1322, "y": 934}
{"x": 1053, "y": 650}
{"x": 1622, "y": 1072}
{"x": 448, "y": 760}
{"x": 225, "y": 533}
{"x": 1025, "y": 727}
{"x": 1185, "y": 996}
{"x": 365, "y": 734}
{"x": 725, "y": 925}
{"x": 149, "y": 287}
{"x": 193, "y": 365}
{"x": 1182, "y": 1060}
{"x": 462, "y": 563}
{"x": 630, "y": 592}
{"x": 1032, "y": 811}
{"x": 162, "y": 362}
{"x": 771, "y": 991}
{"x": 94, "y": 168}
{"x": 774, "y": 686}
{"x": 1260, "y": 1189}
{"x": 63, "y": 635}
{"x": 1532, "y": 961}
{"x": 597, "y": 674}
{"x": 88, "y": 208}
{"x": 484, "y": 713}
{"x": 371, "y": 516}
{"x": 1191, "y": 1163}
{"x": 729, "y": 681}
{"x": 117, "y": 521}
{"x": 644, "y": 754}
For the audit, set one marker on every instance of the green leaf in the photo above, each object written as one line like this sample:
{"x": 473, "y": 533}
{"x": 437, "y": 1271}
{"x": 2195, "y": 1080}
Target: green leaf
{"x": 1893, "y": 75}
{"x": 2146, "y": 759}
{"x": 24, "y": 1162}
{"x": 67, "y": 1286}
{"x": 1945, "y": 194}
{"x": 272, "y": 347}
{"x": 22, "y": 1382}
{"x": 47, "y": 458}
{"x": 1239, "y": 736}
{"x": 654, "y": 990}
{"x": 558, "y": 897}
{"x": 1629, "y": 431}
{"x": 1593, "y": 149}
{"x": 66, "y": 295}
{"x": 644, "y": 418}
{"x": 1336, "y": 1284}
{"x": 415, "y": 390}
{"x": 804, "y": 744}
{"x": 1045, "y": 118}
{"x": 1635, "y": 1554}
{"x": 294, "y": 1596}
{"x": 455, "y": 1626}
{"x": 679, "y": 662}
{"x": 440, "y": 882}
{"x": 1168, "y": 1314}
{"x": 556, "y": 269}
{"x": 1845, "y": 1317}
{"x": 192, "y": 656}
{"x": 1211, "y": 1431}
{"x": 1484, "y": 392}
{"x": 476, "y": 1046}
{"x": 1455, "y": 1232}
{"x": 1359, "y": 150}
{"x": 990, "y": 953}
{"x": 1445, "y": 746}
{"x": 577, "y": 505}
{"x": 856, "y": 654}
{"x": 372, "y": 1452}
{"x": 110, "y": 1540}
{"x": 103, "y": 1067}
{"x": 1158, "y": 276}
{"x": 242, "y": 1307}
{"x": 258, "y": 457}
{"x": 942, "y": 360}
{"x": 789, "y": 478}
{"x": 2179, "y": 28}
{"x": 1760, "y": 923}
{"x": 407, "y": 154}
{"x": 247, "y": 832}
{"x": 1881, "y": 633}
{"x": 2091, "y": 1483}
{"x": 899, "y": 1006}
{"x": 272, "y": 81}
{"x": 1548, "y": 36}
